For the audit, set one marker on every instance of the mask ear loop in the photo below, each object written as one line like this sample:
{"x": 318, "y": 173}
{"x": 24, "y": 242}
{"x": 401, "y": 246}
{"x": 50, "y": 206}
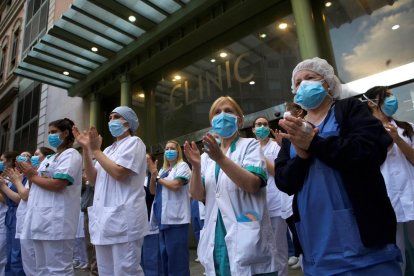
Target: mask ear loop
{"x": 369, "y": 100}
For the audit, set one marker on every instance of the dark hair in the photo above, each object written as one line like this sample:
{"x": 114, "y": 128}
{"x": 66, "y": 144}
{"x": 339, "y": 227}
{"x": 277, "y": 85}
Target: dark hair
{"x": 46, "y": 151}
{"x": 62, "y": 125}
{"x": 257, "y": 118}
{"x": 10, "y": 156}
{"x": 379, "y": 93}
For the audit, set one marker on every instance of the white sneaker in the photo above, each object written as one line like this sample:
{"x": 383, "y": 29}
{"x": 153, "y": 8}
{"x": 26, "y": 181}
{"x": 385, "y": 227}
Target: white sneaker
{"x": 197, "y": 260}
{"x": 296, "y": 266}
{"x": 82, "y": 266}
{"x": 293, "y": 260}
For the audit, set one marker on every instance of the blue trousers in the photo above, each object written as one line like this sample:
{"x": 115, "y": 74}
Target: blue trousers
{"x": 196, "y": 223}
{"x": 151, "y": 257}
{"x": 174, "y": 250}
{"x": 14, "y": 266}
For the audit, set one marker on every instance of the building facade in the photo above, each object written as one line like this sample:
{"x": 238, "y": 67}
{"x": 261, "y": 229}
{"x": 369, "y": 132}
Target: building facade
{"x": 171, "y": 59}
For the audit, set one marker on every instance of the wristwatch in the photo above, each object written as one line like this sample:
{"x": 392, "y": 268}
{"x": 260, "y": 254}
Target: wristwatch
{"x": 158, "y": 177}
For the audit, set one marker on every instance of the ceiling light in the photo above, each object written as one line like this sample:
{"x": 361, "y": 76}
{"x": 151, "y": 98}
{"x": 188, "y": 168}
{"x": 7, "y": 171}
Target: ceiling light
{"x": 263, "y": 35}
{"x": 328, "y": 4}
{"x": 132, "y": 18}
{"x": 141, "y": 95}
{"x": 94, "y": 49}
{"x": 395, "y": 27}
{"x": 283, "y": 26}
{"x": 223, "y": 54}
{"x": 212, "y": 60}
{"x": 177, "y": 77}
{"x": 252, "y": 82}
{"x": 66, "y": 73}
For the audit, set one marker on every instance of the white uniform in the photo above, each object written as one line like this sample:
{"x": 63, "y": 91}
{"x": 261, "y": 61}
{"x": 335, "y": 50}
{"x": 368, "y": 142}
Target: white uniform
{"x": 280, "y": 208}
{"x": 27, "y": 247}
{"x": 52, "y": 217}
{"x": 3, "y": 240}
{"x": 118, "y": 219}
{"x": 398, "y": 175}
{"x": 250, "y": 245}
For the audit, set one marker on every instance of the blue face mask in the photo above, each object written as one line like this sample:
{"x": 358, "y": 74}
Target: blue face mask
{"x": 35, "y": 160}
{"x": 390, "y": 105}
{"x": 224, "y": 124}
{"x": 116, "y": 127}
{"x": 170, "y": 155}
{"x": 21, "y": 158}
{"x": 1, "y": 166}
{"x": 54, "y": 140}
{"x": 262, "y": 132}
{"x": 310, "y": 94}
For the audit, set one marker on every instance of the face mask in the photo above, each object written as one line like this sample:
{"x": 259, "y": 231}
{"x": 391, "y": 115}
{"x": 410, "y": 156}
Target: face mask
{"x": 390, "y": 105}
{"x": 1, "y": 166}
{"x": 116, "y": 127}
{"x": 170, "y": 155}
{"x": 54, "y": 140}
{"x": 262, "y": 132}
{"x": 310, "y": 94}
{"x": 224, "y": 124}
{"x": 35, "y": 160}
{"x": 21, "y": 158}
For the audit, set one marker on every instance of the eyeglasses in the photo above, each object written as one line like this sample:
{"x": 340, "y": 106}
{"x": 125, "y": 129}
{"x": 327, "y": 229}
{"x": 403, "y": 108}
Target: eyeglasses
{"x": 259, "y": 124}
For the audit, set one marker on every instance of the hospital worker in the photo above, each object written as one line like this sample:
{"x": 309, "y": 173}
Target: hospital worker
{"x": 53, "y": 205}
{"x": 171, "y": 209}
{"x": 118, "y": 217}
{"x": 237, "y": 238}
{"x": 3, "y": 232}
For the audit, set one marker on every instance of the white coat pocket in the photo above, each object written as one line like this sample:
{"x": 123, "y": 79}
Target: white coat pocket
{"x": 249, "y": 246}
{"x": 112, "y": 221}
{"x": 175, "y": 211}
{"x": 47, "y": 220}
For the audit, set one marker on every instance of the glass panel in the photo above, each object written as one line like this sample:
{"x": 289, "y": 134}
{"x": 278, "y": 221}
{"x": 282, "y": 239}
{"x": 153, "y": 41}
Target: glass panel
{"x": 32, "y": 143}
{"x": 19, "y": 121}
{"x": 36, "y": 101}
{"x": 370, "y": 36}
{"x": 24, "y": 139}
{"x": 27, "y": 108}
{"x": 167, "y": 5}
{"x": 17, "y": 141}
{"x": 255, "y": 71}
{"x": 143, "y": 9}
{"x": 405, "y": 96}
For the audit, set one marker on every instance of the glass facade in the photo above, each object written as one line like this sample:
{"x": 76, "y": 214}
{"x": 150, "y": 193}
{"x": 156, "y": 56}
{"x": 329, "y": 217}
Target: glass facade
{"x": 369, "y": 37}
{"x": 405, "y": 96}
{"x": 255, "y": 71}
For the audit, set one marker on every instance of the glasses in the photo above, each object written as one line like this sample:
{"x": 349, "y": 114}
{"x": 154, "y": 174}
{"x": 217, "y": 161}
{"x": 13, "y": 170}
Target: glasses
{"x": 259, "y": 124}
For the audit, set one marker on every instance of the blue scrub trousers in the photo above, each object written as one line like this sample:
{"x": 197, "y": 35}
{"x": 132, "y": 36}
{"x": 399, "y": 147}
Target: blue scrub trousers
{"x": 391, "y": 268}
{"x": 14, "y": 266}
{"x": 196, "y": 222}
{"x": 174, "y": 250}
{"x": 151, "y": 257}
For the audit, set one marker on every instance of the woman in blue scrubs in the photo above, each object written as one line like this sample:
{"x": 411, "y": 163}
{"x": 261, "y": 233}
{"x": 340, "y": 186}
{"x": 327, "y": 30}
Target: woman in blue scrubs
{"x": 330, "y": 161}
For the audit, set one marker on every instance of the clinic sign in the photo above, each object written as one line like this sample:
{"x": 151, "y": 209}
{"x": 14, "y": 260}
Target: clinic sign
{"x": 202, "y": 88}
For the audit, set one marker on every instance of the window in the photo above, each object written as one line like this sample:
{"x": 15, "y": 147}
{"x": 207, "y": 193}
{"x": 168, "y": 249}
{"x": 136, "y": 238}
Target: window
{"x": 36, "y": 22}
{"x": 14, "y": 49}
{"x": 27, "y": 121}
{"x": 4, "y": 134}
{"x": 2, "y": 62}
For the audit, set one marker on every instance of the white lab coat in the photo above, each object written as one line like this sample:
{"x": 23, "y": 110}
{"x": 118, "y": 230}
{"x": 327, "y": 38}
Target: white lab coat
{"x": 176, "y": 208}
{"x": 54, "y": 215}
{"x": 279, "y": 203}
{"x": 21, "y": 213}
{"x": 250, "y": 245}
{"x": 398, "y": 174}
{"x": 3, "y": 240}
{"x": 119, "y": 211}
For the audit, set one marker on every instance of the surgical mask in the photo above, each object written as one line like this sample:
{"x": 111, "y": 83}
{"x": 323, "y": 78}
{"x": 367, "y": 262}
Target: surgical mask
{"x": 170, "y": 155}
{"x": 310, "y": 94}
{"x": 54, "y": 140}
{"x": 390, "y": 105}
{"x": 35, "y": 160}
{"x": 262, "y": 132}
{"x": 1, "y": 166}
{"x": 224, "y": 124}
{"x": 116, "y": 127}
{"x": 21, "y": 158}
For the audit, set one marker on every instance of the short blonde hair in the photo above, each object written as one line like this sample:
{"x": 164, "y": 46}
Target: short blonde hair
{"x": 179, "y": 153}
{"x": 224, "y": 99}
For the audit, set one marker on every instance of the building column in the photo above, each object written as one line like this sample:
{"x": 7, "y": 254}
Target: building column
{"x": 95, "y": 111}
{"x": 126, "y": 92}
{"x": 150, "y": 114}
{"x": 306, "y": 29}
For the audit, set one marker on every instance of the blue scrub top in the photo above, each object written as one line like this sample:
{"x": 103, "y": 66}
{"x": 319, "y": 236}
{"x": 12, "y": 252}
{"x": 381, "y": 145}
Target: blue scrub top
{"x": 327, "y": 229}
{"x": 10, "y": 219}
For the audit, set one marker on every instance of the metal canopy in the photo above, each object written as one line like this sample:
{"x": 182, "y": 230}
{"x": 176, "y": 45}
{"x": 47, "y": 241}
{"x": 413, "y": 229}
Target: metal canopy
{"x": 65, "y": 55}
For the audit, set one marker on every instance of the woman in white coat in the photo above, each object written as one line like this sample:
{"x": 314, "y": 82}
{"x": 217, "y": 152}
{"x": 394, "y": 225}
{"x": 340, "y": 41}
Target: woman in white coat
{"x": 118, "y": 217}
{"x": 237, "y": 238}
{"x": 398, "y": 168}
{"x": 53, "y": 206}
{"x": 171, "y": 209}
